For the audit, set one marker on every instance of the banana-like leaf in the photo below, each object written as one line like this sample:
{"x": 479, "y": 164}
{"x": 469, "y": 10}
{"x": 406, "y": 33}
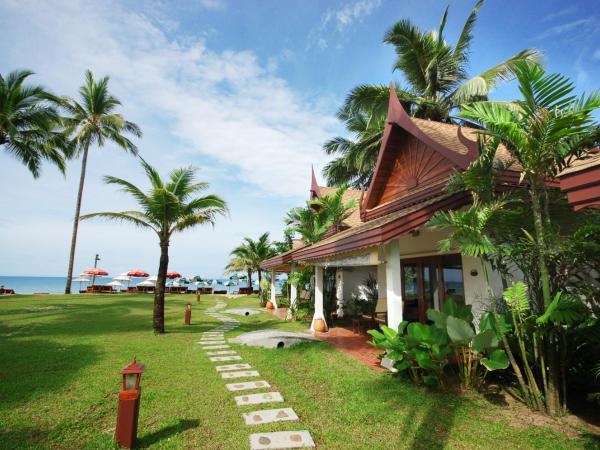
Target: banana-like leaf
{"x": 564, "y": 310}
{"x": 437, "y": 317}
{"x": 485, "y": 340}
{"x": 460, "y": 331}
{"x": 497, "y": 360}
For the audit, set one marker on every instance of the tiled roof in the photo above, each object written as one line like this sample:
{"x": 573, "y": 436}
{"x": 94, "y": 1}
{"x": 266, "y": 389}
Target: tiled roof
{"x": 351, "y": 194}
{"x": 582, "y": 164}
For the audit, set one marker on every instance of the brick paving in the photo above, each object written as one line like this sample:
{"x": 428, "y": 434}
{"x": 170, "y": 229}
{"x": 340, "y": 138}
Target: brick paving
{"x": 355, "y": 345}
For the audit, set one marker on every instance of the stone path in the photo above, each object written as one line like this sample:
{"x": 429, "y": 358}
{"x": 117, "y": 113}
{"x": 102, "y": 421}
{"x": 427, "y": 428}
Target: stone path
{"x": 215, "y": 340}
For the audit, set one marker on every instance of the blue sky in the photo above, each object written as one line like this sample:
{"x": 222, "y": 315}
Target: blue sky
{"x": 244, "y": 90}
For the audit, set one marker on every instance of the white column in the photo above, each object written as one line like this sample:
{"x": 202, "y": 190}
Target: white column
{"x": 273, "y": 293}
{"x": 393, "y": 280}
{"x": 293, "y": 294}
{"x": 381, "y": 281}
{"x": 319, "y": 314}
{"x": 339, "y": 292}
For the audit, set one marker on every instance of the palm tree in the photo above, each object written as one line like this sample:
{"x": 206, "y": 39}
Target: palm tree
{"x": 543, "y": 132}
{"x": 168, "y": 207}
{"x": 334, "y": 207}
{"x": 30, "y": 123}
{"x": 436, "y": 72}
{"x": 254, "y": 252}
{"x": 309, "y": 223}
{"x": 93, "y": 121}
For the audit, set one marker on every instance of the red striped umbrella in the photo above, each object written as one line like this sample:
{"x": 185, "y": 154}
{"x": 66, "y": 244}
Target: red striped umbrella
{"x": 96, "y": 272}
{"x": 138, "y": 273}
{"x": 173, "y": 275}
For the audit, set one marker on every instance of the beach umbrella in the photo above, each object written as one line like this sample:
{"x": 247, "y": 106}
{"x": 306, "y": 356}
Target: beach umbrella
{"x": 173, "y": 275}
{"x": 145, "y": 283}
{"x": 115, "y": 283}
{"x": 95, "y": 272}
{"x": 82, "y": 279}
{"x": 242, "y": 277}
{"x": 198, "y": 278}
{"x": 184, "y": 280}
{"x": 152, "y": 279}
{"x": 138, "y": 273}
{"x": 233, "y": 277}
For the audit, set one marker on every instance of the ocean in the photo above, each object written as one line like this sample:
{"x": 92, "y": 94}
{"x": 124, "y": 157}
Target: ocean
{"x": 56, "y": 285}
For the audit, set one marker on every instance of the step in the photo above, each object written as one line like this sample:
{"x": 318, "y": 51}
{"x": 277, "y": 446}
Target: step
{"x": 215, "y": 347}
{"x": 225, "y": 358}
{"x": 222, "y": 352}
{"x": 232, "y": 367}
{"x": 257, "y": 399}
{"x": 269, "y": 416}
{"x": 221, "y": 341}
{"x": 240, "y": 374}
{"x": 281, "y": 439}
{"x": 247, "y": 385}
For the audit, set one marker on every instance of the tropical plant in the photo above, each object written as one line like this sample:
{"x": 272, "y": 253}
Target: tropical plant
{"x": 30, "y": 123}
{"x": 168, "y": 207}
{"x": 334, "y": 207}
{"x": 240, "y": 264}
{"x": 438, "y": 85}
{"x": 543, "y": 132}
{"x": 93, "y": 121}
{"x": 254, "y": 252}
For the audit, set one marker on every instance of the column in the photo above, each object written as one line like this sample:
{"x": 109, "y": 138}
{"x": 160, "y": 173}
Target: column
{"x": 273, "y": 293}
{"x": 293, "y": 294}
{"x": 319, "y": 314}
{"x": 381, "y": 281}
{"x": 339, "y": 292}
{"x": 393, "y": 280}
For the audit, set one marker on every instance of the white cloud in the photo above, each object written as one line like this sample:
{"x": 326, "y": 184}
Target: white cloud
{"x": 559, "y": 13}
{"x": 565, "y": 28}
{"x": 212, "y": 4}
{"x": 341, "y": 19}
{"x": 225, "y": 111}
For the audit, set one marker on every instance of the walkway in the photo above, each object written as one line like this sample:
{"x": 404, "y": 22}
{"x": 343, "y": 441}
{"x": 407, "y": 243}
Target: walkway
{"x": 355, "y": 345}
{"x": 216, "y": 348}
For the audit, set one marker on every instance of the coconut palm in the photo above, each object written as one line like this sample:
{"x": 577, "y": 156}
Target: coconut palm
{"x": 30, "y": 123}
{"x": 94, "y": 121}
{"x": 168, "y": 207}
{"x": 543, "y": 132}
{"x": 309, "y": 223}
{"x": 438, "y": 84}
{"x": 254, "y": 252}
{"x": 240, "y": 264}
{"x": 334, "y": 207}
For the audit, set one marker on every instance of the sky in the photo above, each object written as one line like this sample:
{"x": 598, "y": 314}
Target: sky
{"x": 245, "y": 91}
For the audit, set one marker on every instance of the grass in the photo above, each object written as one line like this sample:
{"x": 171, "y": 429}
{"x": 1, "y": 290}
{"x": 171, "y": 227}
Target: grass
{"x": 59, "y": 380}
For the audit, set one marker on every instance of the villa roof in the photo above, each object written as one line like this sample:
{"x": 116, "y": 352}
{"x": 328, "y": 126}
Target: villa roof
{"x": 581, "y": 182}
{"x": 351, "y": 194}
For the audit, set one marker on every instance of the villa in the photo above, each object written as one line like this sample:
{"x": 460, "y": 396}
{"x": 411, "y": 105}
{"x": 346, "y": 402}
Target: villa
{"x": 385, "y": 237}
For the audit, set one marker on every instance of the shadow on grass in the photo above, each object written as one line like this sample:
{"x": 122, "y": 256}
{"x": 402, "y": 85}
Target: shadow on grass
{"x": 33, "y": 367}
{"x": 166, "y": 432}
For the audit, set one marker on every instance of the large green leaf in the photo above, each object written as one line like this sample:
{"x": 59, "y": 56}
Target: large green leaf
{"x": 453, "y": 308}
{"x": 485, "y": 340}
{"x": 437, "y": 317}
{"x": 497, "y": 360}
{"x": 389, "y": 333}
{"x": 497, "y": 322}
{"x": 420, "y": 332}
{"x": 402, "y": 365}
{"x": 425, "y": 361}
{"x": 564, "y": 310}
{"x": 460, "y": 331}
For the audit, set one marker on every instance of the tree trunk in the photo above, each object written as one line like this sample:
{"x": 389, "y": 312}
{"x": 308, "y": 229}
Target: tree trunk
{"x": 76, "y": 218}
{"x": 249, "y": 273}
{"x": 159, "y": 294}
{"x": 259, "y": 280}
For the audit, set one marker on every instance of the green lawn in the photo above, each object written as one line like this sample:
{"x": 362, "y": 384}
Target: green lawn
{"x": 59, "y": 378}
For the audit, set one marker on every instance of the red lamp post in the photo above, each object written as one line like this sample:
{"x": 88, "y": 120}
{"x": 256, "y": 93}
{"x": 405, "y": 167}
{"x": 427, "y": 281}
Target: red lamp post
{"x": 188, "y": 314}
{"x": 129, "y": 404}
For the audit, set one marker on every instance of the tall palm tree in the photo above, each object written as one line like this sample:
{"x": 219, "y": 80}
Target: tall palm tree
{"x": 543, "y": 132}
{"x": 438, "y": 84}
{"x": 309, "y": 223}
{"x": 30, "y": 123}
{"x": 255, "y": 252}
{"x": 334, "y": 207}
{"x": 94, "y": 121}
{"x": 168, "y": 207}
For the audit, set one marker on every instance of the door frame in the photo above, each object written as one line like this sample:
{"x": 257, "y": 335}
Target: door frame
{"x": 436, "y": 261}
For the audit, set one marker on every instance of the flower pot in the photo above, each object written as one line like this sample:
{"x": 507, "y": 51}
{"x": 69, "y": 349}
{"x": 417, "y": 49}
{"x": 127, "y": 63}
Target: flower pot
{"x": 320, "y": 326}
{"x": 269, "y": 305}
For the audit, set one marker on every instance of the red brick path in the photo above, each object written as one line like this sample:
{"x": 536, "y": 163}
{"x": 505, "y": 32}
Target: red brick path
{"x": 353, "y": 344}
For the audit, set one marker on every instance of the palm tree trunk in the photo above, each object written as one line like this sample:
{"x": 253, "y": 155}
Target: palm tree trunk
{"x": 259, "y": 280}
{"x": 249, "y": 273}
{"x": 159, "y": 294}
{"x": 76, "y": 218}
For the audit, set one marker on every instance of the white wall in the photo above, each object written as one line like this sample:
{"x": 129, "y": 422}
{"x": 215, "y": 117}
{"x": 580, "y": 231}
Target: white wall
{"x": 353, "y": 280}
{"x": 475, "y": 286}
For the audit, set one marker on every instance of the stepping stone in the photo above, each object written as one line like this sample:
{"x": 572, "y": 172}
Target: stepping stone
{"x": 247, "y": 385}
{"x": 212, "y": 340}
{"x": 269, "y": 415}
{"x": 281, "y": 439}
{"x": 222, "y": 341}
{"x": 222, "y": 352}
{"x": 232, "y": 367}
{"x": 215, "y": 347}
{"x": 240, "y": 374}
{"x": 257, "y": 399}
{"x": 225, "y": 358}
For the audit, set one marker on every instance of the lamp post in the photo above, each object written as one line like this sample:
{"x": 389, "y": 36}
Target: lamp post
{"x": 188, "y": 313}
{"x": 129, "y": 404}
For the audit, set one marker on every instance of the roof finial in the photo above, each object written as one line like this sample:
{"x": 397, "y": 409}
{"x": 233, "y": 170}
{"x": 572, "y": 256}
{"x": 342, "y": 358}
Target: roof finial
{"x": 314, "y": 186}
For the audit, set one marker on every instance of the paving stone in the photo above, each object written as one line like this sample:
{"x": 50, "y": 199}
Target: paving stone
{"x": 215, "y": 347}
{"x": 269, "y": 415}
{"x": 247, "y": 385}
{"x": 257, "y": 399}
{"x": 232, "y": 367}
{"x": 221, "y": 341}
{"x": 225, "y": 358}
{"x": 281, "y": 439}
{"x": 240, "y": 374}
{"x": 222, "y": 352}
